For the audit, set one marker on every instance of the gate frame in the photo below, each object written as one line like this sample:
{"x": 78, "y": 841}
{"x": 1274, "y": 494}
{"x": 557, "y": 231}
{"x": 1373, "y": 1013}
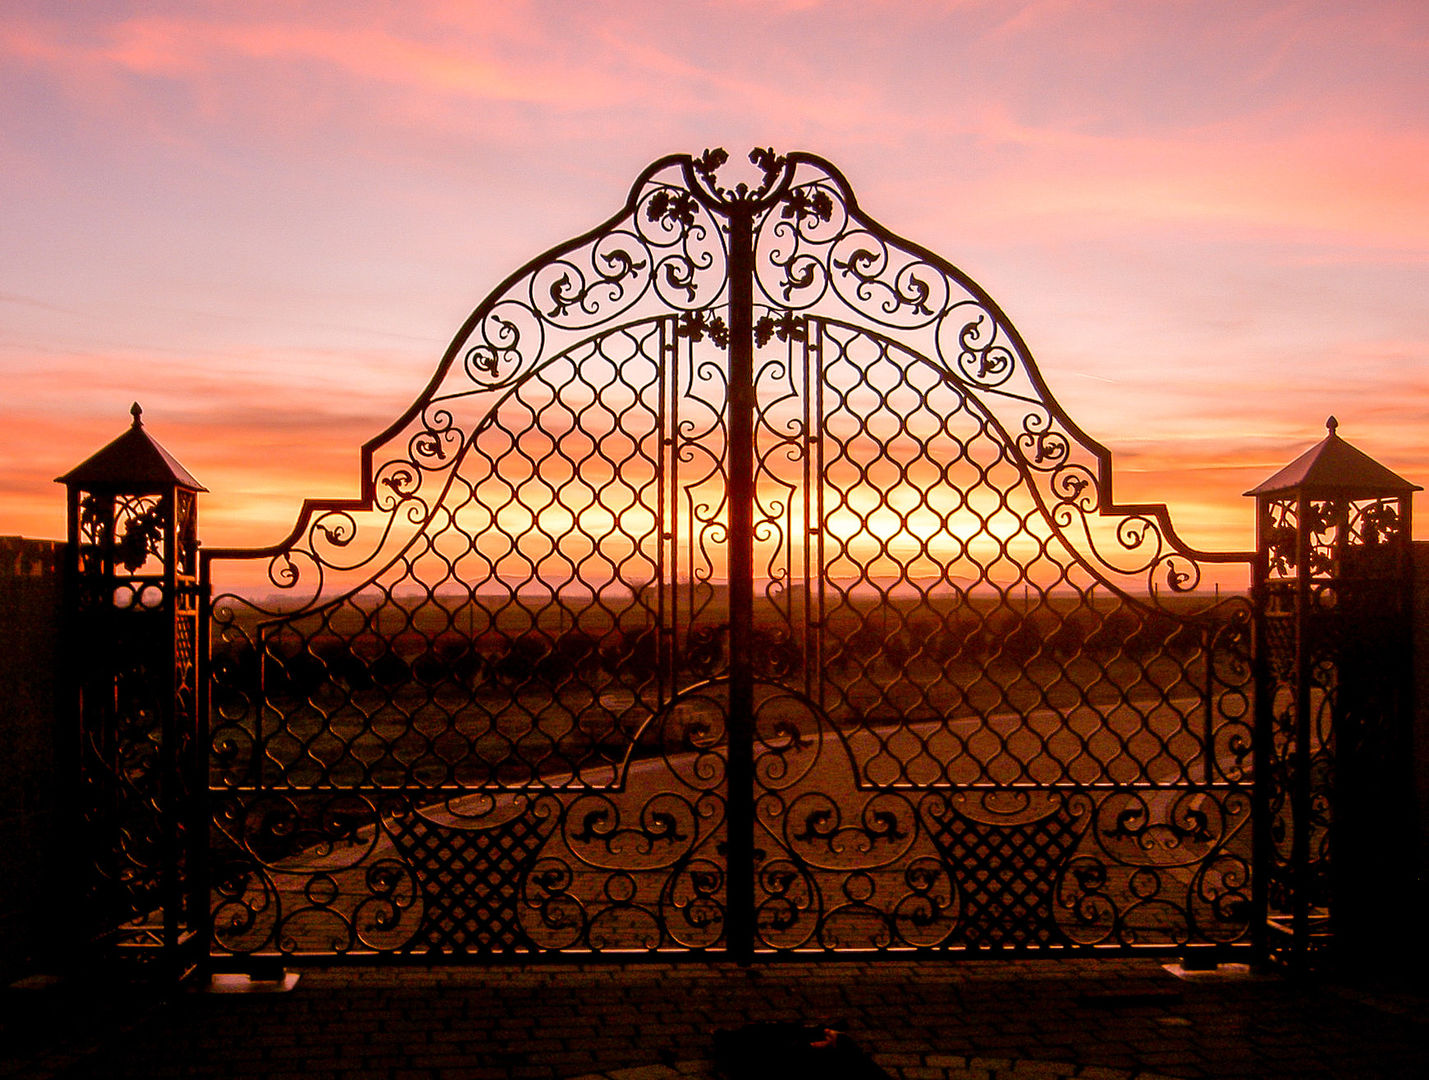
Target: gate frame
{"x": 739, "y": 207}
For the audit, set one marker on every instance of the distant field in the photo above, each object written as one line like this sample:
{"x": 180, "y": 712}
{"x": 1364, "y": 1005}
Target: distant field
{"x": 443, "y": 694}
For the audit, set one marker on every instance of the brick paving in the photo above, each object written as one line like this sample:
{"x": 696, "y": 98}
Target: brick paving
{"x": 1102, "y": 1019}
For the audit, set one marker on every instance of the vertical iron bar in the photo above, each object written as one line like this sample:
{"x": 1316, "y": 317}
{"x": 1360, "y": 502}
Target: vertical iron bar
{"x": 664, "y": 582}
{"x": 1300, "y": 786}
{"x": 670, "y": 372}
{"x": 1208, "y": 704}
{"x": 806, "y": 452}
{"x": 170, "y": 789}
{"x": 740, "y": 924}
{"x": 1262, "y": 770}
{"x": 201, "y": 910}
{"x": 816, "y": 368}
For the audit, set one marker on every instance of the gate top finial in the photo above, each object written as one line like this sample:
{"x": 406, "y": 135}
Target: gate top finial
{"x": 772, "y": 169}
{"x": 136, "y": 412}
{"x": 1332, "y": 425}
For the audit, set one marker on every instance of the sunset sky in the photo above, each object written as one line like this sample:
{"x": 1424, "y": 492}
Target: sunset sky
{"x": 265, "y": 220}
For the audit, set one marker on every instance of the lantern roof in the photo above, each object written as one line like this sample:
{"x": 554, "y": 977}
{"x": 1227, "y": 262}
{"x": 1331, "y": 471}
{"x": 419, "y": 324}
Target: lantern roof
{"x": 134, "y": 459}
{"x": 1335, "y": 468}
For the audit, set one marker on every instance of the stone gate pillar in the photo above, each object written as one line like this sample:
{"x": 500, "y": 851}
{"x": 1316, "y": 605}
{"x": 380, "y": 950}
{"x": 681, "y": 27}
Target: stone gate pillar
{"x": 133, "y": 750}
{"x": 1335, "y": 841}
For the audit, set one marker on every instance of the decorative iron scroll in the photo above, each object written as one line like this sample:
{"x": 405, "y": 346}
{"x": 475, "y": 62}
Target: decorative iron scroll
{"x": 531, "y": 613}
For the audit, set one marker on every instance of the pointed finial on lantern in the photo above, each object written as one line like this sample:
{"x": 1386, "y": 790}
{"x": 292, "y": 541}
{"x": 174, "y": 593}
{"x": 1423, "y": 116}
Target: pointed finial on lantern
{"x": 136, "y": 412}
{"x": 1332, "y": 425}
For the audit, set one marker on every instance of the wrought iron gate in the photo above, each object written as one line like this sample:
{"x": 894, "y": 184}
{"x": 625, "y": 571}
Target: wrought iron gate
{"x": 736, "y": 587}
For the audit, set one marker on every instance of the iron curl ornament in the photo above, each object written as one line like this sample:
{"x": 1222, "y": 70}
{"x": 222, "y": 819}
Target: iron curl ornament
{"x": 736, "y": 586}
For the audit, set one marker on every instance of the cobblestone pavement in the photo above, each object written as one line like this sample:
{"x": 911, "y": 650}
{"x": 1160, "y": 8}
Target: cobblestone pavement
{"x": 991, "y": 1020}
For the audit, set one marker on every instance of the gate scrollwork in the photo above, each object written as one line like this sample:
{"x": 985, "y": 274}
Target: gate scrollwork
{"x": 736, "y": 586}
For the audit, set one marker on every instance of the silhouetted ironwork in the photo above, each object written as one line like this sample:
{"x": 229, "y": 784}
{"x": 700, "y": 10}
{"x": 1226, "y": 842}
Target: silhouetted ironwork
{"x": 738, "y": 587}
{"x": 1333, "y": 782}
{"x": 133, "y": 745}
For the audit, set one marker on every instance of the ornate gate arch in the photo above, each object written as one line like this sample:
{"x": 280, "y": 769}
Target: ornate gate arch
{"x": 736, "y": 586}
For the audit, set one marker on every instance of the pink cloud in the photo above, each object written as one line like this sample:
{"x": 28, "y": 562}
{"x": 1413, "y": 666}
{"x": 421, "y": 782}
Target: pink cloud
{"x": 1366, "y": 185}
{"x": 1287, "y": 136}
{"x": 467, "y": 61}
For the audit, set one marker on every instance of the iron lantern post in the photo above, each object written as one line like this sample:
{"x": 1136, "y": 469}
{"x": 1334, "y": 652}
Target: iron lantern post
{"x": 1333, "y": 789}
{"x": 133, "y": 747}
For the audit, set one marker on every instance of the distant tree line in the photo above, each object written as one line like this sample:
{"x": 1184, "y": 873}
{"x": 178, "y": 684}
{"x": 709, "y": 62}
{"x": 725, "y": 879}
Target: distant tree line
{"x": 496, "y": 663}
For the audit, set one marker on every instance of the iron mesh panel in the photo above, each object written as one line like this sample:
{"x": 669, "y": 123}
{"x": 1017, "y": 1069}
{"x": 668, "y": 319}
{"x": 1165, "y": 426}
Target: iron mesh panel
{"x": 736, "y": 587}
{"x": 949, "y": 594}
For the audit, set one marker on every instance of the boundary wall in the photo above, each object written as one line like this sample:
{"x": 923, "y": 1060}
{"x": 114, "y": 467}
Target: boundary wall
{"x": 31, "y": 592}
